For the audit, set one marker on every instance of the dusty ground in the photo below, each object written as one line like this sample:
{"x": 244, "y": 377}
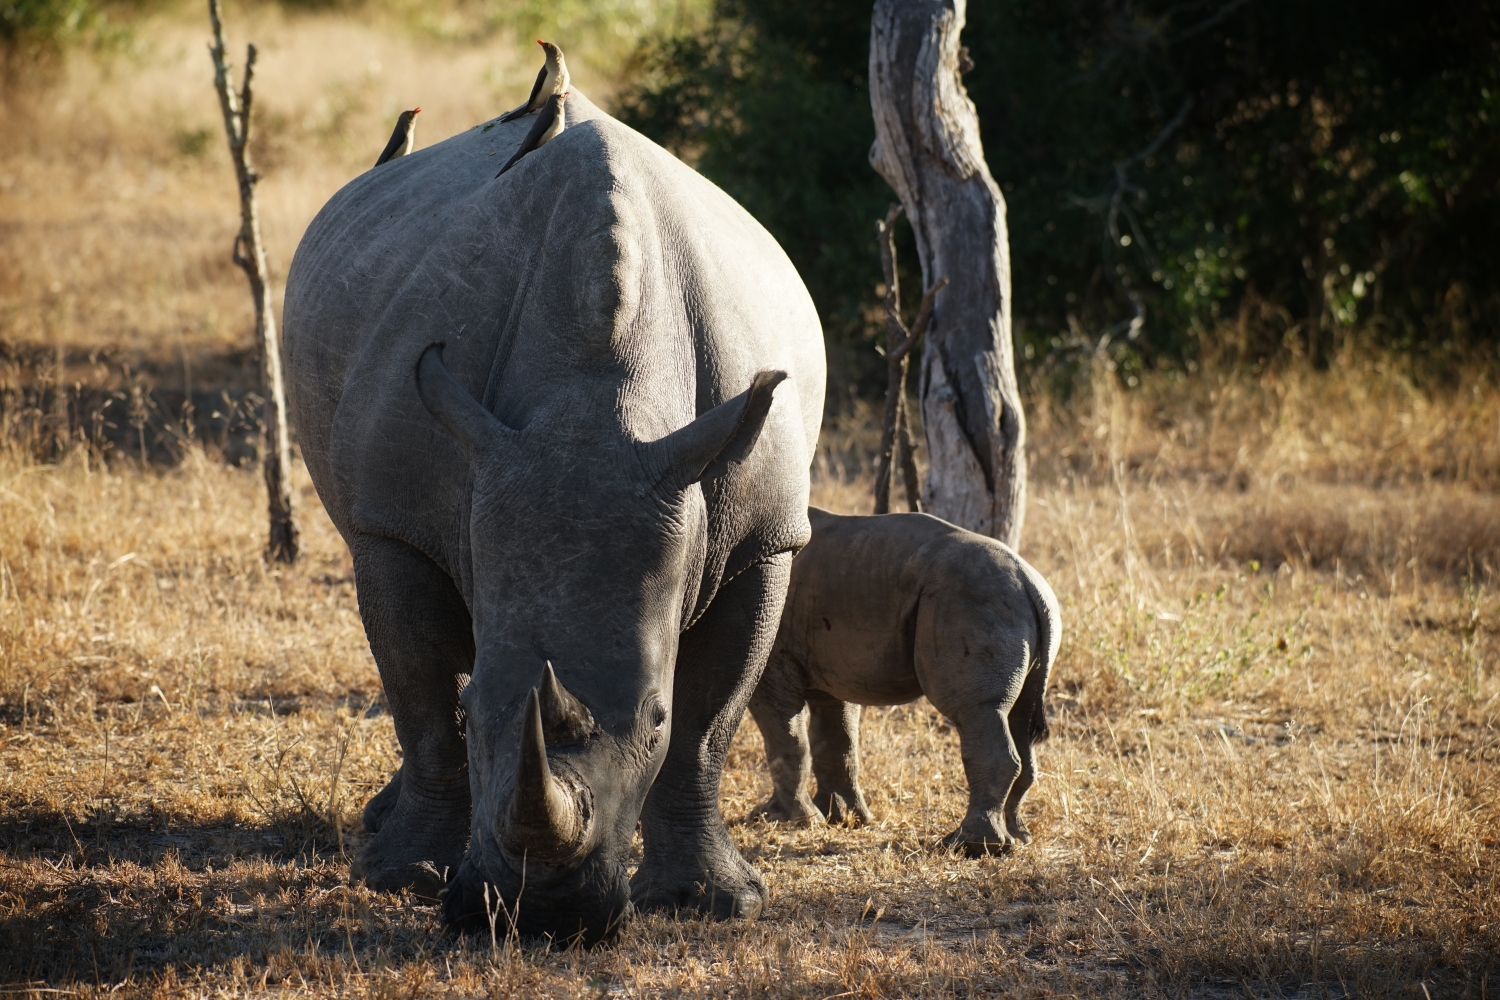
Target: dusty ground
{"x": 1274, "y": 768}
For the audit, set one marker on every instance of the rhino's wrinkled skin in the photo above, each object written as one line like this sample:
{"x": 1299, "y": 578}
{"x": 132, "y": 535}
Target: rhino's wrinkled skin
{"x": 602, "y": 468}
{"x": 882, "y": 610}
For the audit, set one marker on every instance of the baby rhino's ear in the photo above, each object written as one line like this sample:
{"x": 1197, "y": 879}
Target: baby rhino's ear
{"x": 722, "y": 437}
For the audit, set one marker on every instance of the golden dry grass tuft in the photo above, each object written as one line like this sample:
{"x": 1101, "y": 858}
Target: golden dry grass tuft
{"x": 1274, "y": 762}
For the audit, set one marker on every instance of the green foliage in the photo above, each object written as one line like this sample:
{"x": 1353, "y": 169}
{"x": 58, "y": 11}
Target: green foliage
{"x": 774, "y": 108}
{"x": 41, "y": 25}
{"x": 604, "y": 32}
{"x": 1320, "y": 166}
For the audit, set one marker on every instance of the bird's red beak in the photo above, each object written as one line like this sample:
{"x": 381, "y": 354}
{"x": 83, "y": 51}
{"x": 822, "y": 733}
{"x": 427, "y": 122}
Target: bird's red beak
{"x": 541, "y": 43}
{"x": 416, "y": 111}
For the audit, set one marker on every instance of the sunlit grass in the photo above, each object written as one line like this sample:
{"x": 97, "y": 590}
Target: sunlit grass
{"x": 1275, "y": 774}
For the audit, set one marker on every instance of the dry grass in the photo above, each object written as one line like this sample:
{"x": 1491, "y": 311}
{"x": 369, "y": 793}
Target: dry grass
{"x": 117, "y": 199}
{"x": 1274, "y": 768}
{"x": 1273, "y": 778}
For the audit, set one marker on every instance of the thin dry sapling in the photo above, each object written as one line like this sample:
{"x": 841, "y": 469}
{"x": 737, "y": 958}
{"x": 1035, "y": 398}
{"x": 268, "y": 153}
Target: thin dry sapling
{"x": 250, "y": 255}
{"x": 895, "y": 424}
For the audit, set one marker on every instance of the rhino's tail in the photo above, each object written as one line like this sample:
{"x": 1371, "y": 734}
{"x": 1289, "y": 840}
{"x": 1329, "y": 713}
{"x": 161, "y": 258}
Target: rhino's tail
{"x": 1049, "y": 635}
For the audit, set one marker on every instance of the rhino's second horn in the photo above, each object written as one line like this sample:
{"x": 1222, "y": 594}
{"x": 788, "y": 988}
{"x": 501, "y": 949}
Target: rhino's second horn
{"x": 565, "y": 719}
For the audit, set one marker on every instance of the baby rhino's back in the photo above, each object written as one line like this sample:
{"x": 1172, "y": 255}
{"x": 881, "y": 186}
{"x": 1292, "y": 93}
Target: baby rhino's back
{"x": 882, "y": 609}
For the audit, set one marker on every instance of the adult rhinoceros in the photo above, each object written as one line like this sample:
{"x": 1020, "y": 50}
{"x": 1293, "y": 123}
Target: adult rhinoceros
{"x": 603, "y": 469}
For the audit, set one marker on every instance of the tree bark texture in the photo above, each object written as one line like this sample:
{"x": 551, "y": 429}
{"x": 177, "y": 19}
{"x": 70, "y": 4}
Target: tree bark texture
{"x": 927, "y": 147}
{"x": 250, "y": 255}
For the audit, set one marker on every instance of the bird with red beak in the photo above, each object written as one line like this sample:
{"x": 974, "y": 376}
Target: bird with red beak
{"x": 403, "y": 139}
{"x": 551, "y": 79}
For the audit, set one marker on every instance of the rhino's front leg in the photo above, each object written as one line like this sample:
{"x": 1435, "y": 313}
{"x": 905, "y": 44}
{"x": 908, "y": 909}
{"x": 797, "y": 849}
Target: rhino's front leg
{"x": 420, "y": 633}
{"x": 834, "y": 730}
{"x": 381, "y": 804}
{"x": 690, "y": 862}
{"x": 779, "y": 706}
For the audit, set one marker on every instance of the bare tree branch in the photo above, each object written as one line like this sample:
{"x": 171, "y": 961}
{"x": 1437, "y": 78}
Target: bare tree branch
{"x": 249, "y": 253}
{"x": 895, "y": 436}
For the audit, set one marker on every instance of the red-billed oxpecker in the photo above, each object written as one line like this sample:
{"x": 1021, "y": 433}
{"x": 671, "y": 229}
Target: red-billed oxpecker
{"x": 547, "y": 126}
{"x": 403, "y": 139}
{"x": 551, "y": 79}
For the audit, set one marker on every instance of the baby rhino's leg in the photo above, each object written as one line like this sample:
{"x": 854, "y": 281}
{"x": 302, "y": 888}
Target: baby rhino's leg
{"x": 992, "y": 763}
{"x": 834, "y": 728}
{"x": 780, "y": 710}
{"x": 1027, "y": 725}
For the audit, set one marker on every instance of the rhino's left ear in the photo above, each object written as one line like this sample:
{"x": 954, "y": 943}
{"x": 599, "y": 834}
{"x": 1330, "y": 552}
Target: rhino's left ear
{"x": 476, "y": 428}
{"x": 707, "y": 447}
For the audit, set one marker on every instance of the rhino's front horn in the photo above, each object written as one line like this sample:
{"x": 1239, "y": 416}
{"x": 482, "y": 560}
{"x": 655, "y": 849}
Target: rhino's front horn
{"x": 545, "y": 820}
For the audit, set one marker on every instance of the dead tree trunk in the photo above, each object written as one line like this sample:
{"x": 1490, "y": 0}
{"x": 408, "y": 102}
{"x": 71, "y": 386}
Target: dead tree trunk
{"x": 927, "y": 147}
{"x": 250, "y": 255}
{"x": 895, "y": 435}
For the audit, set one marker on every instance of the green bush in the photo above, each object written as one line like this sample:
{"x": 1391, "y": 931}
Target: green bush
{"x": 39, "y": 25}
{"x": 1322, "y": 166}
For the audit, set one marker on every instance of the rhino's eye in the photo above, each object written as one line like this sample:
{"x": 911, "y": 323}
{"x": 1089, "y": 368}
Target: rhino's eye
{"x": 654, "y": 716}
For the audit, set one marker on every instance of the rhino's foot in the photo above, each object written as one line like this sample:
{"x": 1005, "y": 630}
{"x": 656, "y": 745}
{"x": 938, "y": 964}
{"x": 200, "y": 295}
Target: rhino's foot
{"x": 379, "y": 808}
{"x": 421, "y": 877}
{"x": 984, "y": 836}
{"x": 730, "y": 889}
{"x": 844, "y": 810}
{"x": 778, "y": 810}
{"x": 418, "y": 848}
{"x": 1017, "y": 829}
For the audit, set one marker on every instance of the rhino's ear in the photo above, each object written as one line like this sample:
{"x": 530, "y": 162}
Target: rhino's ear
{"x": 707, "y": 447}
{"x": 476, "y": 428}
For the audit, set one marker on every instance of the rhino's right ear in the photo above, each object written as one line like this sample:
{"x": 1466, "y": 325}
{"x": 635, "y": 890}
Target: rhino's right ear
{"x": 476, "y": 428}
{"x": 721, "y": 438}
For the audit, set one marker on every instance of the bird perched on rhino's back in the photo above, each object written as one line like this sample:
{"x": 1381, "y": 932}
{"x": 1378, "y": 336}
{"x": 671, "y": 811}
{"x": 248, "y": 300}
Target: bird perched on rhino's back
{"x": 552, "y": 120}
{"x": 551, "y": 79}
{"x": 403, "y": 138}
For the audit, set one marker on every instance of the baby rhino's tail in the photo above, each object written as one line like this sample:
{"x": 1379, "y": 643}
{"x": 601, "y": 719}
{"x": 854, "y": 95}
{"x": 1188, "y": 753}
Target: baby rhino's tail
{"x": 1049, "y": 634}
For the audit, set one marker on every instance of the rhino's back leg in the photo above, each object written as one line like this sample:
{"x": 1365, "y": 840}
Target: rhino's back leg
{"x": 973, "y": 667}
{"x": 834, "y": 729}
{"x": 420, "y": 633}
{"x": 1027, "y": 723}
{"x": 690, "y": 861}
{"x": 779, "y": 706}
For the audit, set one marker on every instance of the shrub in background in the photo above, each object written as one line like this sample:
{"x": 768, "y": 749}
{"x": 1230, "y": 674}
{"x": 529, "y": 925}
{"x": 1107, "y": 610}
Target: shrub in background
{"x": 36, "y": 26}
{"x": 1320, "y": 167}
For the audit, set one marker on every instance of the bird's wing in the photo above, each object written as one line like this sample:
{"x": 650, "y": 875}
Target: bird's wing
{"x": 536, "y": 88}
{"x": 398, "y": 139}
{"x": 543, "y": 122}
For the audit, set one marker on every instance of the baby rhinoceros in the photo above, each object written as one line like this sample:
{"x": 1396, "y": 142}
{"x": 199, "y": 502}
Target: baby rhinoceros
{"x": 882, "y": 610}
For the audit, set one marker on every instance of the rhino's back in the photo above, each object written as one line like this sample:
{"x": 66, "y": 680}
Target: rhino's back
{"x": 600, "y": 281}
{"x": 871, "y": 595}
